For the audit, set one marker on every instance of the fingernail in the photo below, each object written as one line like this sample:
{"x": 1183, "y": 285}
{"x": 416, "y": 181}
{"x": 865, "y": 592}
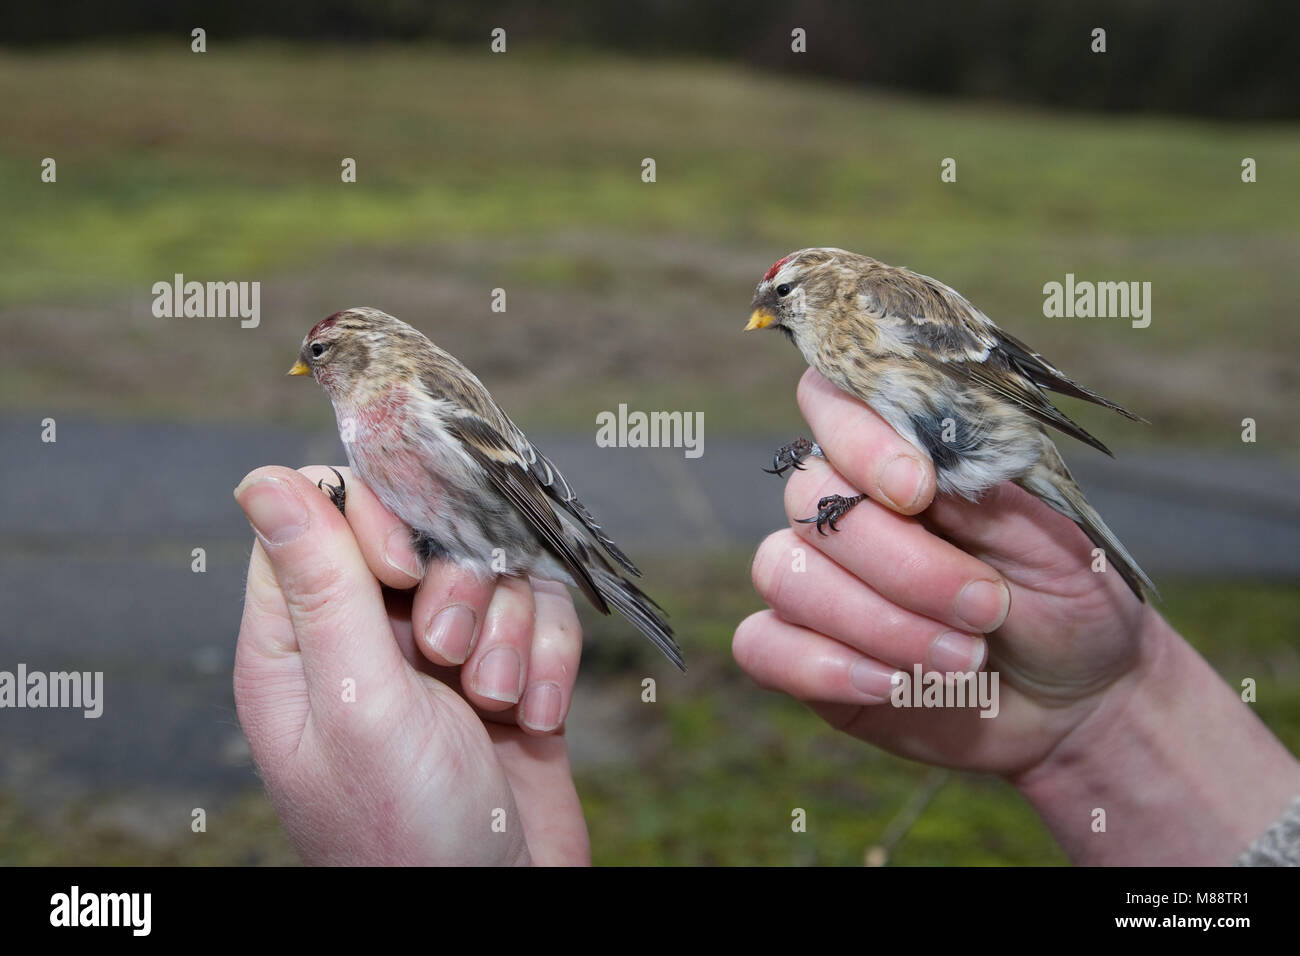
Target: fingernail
{"x": 451, "y": 632}
{"x": 901, "y": 481}
{"x": 498, "y": 675}
{"x": 872, "y": 678}
{"x": 983, "y": 605}
{"x": 398, "y": 553}
{"x": 541, "y": 708}
{"x": 954, "y": 652}
{"x": 274, "y": 511}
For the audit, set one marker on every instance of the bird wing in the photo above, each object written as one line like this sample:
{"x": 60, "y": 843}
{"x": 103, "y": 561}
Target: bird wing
{"x": 528, "y": 478}
{"x": 1046, "y": 375}
{"x": 512, "y": 477}
{"x": 555, "y": 485}
{"x": 928, "y": 320}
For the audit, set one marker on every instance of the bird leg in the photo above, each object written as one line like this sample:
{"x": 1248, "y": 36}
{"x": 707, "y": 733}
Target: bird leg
{"x": 338, "y": 493}
{"x": 830, "y": 510}
{"x": 792, "y": 456}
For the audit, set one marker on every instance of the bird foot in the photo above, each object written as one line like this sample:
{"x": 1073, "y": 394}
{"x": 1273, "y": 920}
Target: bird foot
{"x": 830, "y": 510}
{"x": 337, "y": 493}
{"x": 792, "y": 456}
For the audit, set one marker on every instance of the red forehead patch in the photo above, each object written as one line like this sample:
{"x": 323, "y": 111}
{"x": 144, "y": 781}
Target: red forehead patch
{"x": 323, "y": 324}
{"x": 776, "y": 267}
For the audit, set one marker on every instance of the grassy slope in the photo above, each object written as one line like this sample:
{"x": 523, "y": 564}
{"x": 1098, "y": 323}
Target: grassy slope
{"x": 226, "y": 165}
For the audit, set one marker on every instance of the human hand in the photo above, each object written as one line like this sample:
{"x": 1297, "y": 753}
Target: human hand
{"x": 1103, "y": 706}
{"x": 385, "y": 730}
{"x": 918, "y": 580}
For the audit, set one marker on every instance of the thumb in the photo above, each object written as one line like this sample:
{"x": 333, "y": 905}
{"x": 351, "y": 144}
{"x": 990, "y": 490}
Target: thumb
{"x": 863, "y": 448}
{"x": 333, "y": 603}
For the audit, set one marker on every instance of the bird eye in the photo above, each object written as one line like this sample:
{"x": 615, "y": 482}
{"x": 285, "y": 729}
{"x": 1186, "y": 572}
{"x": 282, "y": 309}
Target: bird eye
{"x": 317, "y": 350}
{"x": 783, "y": 289}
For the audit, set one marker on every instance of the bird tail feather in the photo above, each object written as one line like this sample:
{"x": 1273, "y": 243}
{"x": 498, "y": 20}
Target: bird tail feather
{"x": 641, "y": 610}
{"x": 1051, "y": 481}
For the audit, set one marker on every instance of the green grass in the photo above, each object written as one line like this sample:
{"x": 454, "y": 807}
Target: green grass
{"x": 231, "y": 161}
{"x": 715, "y": 776}
{"x": 245, "y": 833}
{"x": 232, "y": 158}
{"x": 227, "y": 165}
{"x": 720, "y": 789}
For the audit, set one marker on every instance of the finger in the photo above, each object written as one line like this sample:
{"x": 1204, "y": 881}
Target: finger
{"x": 1031, "y": 543}
{"x": 553, "y": 665}
{"x": 806, "y": 665}
{"x": 864, "y": 448}
{"x": 384, "y": 540}
{"x": 898, "y": 557}
{"x": 847, "y": 693}
{"x": 334, "y": 602}
{"x": 449, "y": 610}
{"x": 549, "y": 808}
{"x": 493, "y": 677}
{"x": 270, "y": 686}
{"x": 805, "y": 587}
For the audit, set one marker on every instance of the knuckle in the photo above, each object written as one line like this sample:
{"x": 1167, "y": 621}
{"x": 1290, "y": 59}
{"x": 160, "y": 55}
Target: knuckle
{"x": 805, "y": 489}
{"x": 510, "y": 616}
{"x": 558, "y": 634}
{"x": 515, "y": 597}
{"x": 315, "y": 590}
{"x": 448, "y": 583}
{"x": 364, "y": 728}
{"x": 914, "y": 564}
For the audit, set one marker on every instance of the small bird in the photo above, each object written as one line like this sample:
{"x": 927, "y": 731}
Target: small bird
{"x": 425, "y": 436}
{"x": 941, "y": 374}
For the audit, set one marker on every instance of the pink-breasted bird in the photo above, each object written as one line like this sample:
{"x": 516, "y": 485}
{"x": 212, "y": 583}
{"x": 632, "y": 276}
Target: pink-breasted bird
{"x": 425, "y": 436}
{"x": 948, "y": 380}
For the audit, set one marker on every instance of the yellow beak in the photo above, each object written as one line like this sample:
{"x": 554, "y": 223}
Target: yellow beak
{"x": 760, "y": 319}
{"x": 300, "y": 368}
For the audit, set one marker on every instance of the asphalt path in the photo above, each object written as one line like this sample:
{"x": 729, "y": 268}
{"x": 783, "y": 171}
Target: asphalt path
{"x": 97, "y": 531}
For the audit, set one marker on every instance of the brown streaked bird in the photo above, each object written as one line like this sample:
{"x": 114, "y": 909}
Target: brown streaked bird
{"x": 948, "y": 380}
{"x": 425, "y": 436}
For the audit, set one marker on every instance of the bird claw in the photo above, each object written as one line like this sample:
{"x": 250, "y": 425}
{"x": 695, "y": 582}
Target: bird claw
{"x": 337, "y": 493}
{"x": 792, "y": 456}
{"x": 830, "y": 510}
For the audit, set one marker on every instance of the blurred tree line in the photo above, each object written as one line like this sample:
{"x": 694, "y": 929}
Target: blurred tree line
{"x": 1219, "y": 58}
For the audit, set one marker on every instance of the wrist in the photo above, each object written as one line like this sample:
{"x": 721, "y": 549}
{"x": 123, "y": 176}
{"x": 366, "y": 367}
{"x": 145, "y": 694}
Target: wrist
{"x": 1170, "y": 767}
